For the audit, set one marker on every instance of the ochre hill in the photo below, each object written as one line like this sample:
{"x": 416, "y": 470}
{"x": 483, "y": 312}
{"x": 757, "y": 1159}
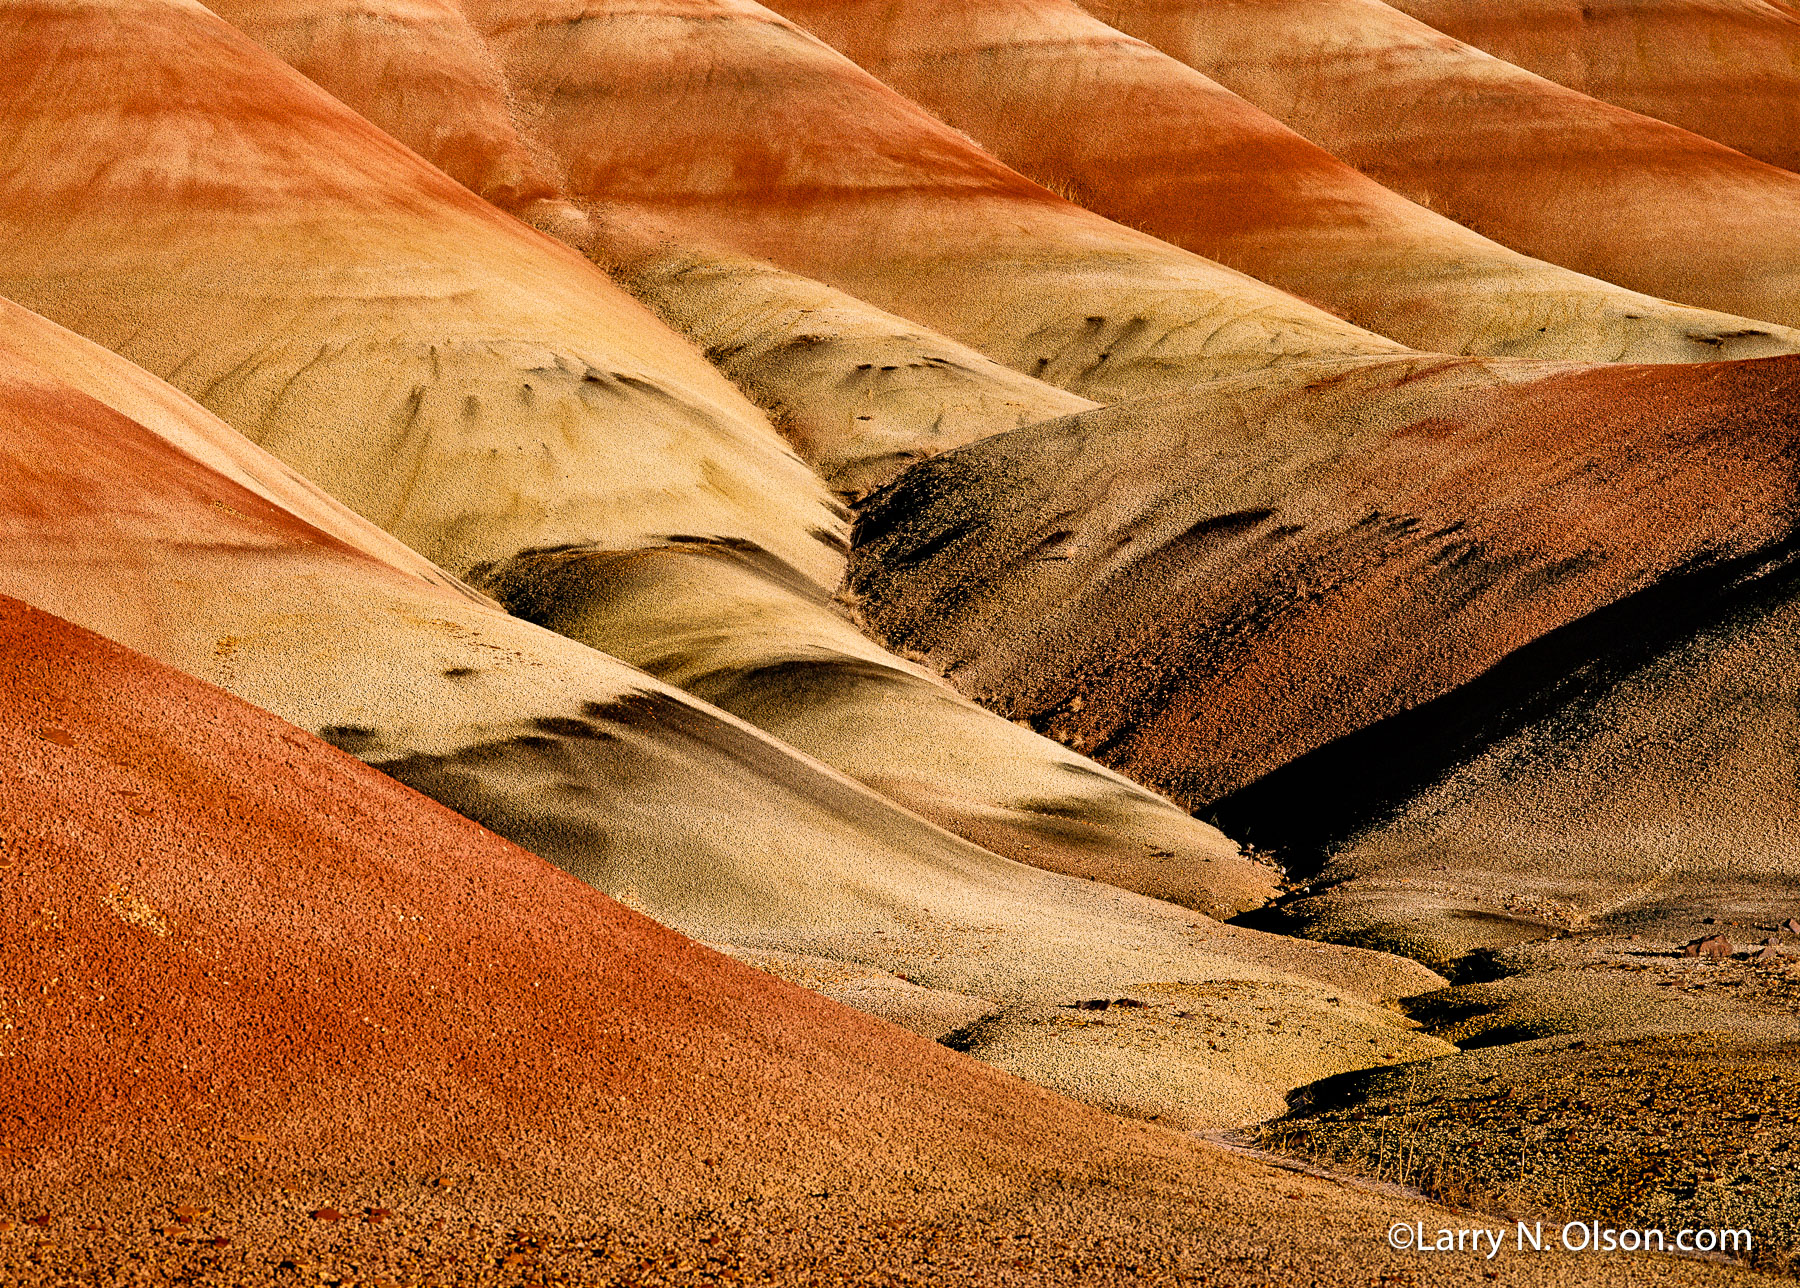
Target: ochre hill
{"x": 264, "y": 1007}
{"x": 490, "y": 398}
{"x": 1165, "y": 149}
{"x": 1201, "y": 588}
{"x": 678, "y": 809}
{"x": 1538, "y": 167}
{"x": 716, "y": 123}
{"x": 1728, "y": 69}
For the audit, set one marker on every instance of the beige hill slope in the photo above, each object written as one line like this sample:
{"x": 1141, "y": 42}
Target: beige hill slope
{"x": 860, "y": 393}
{"x": 490, "y": 398}
{"x": 682, "y": 811}
{"x": 1165, "y": 149}
{"x": 716, "y": 124}
{"x": 856, "y": 390}
{"x": 1726, "y": 69}
{"x": 1535, "y": 166}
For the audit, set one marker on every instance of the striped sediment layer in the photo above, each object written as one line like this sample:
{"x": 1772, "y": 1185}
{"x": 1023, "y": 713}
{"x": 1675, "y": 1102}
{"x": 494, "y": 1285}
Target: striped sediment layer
{"x": 1201, "y": 589}
{"x": 718, "y": 124}
{"x": 677, "y": 808}
{"x": 1538, "y": 167}
{"x": 1163, "y": 148}
{"x": 1726, "y": 69}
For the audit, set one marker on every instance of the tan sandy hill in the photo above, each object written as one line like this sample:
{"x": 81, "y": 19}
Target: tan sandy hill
{"x": 494, "y": 401}
{"x": 1727, "y": 69}
{"x": 1162, "y": 148}
{"x": 718, "y": 124}
{"x": 678, "y": 809}
{"x": 1550, "y": 172}
{"x": 268, "y": 1013}
{"x": 1201, "y": 588}
{"x": 859, "y": 392}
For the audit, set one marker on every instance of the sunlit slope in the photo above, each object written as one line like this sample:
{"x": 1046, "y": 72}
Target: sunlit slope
{"x": 1146, "y": 140}
{"x": 1538, "y": 167}
{"x": 131, "y": 511}
{"x": 487, "y": 396}
{"x": 1727, "y": 69}
{"x": 676, "y": 808}
{"x": 859, "y": 392}
{"x": 248, "y": 981}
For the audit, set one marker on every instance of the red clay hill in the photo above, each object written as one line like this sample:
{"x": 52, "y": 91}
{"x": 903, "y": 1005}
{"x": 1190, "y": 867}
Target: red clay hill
{"x": 268, "y": 1011}
{"x": 1728, "y": 69}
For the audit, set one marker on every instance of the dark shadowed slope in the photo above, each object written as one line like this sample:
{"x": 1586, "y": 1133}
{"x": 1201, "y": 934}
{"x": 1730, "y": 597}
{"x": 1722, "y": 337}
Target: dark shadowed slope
{"x": 1538, "y": 167}
{"x": 1642, "y": 791}
{"x": 1163, "y": 148}
{"x": 494, "y": 401}
{"x": 1727, "y": 69}
{"x": 1201, "y": 588}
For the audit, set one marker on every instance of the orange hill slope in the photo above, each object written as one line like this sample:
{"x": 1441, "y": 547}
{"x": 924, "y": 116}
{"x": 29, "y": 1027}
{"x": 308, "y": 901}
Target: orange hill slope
{"x": 716, "y": 123}
{"x": 1543, "y": 169}
{"x": 491, "y": 399}
{"x": 857, "y": 390}
{"x": 246, "y": 979}
{"x": 1163, "y": 148}
{"x": 1728, "y": 69}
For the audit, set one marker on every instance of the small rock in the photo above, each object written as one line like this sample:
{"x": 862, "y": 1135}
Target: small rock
{"x": 1716, "y": 947}
{"x": 1104, "y": 1003}
{"x": 1792, "y": 925}
{"x": 327, "y": 1214}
